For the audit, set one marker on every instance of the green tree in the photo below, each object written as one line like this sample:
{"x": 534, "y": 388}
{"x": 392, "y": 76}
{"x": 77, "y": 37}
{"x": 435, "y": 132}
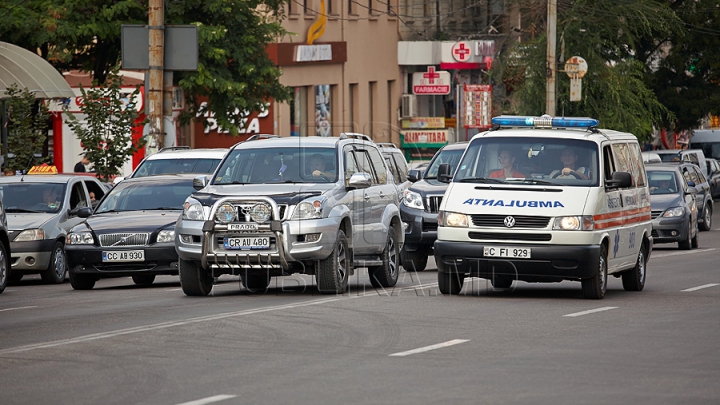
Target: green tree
{"x": 27, "y": 128}
{"x": 606, "y": 34}
{"x": 106, "y": 132}
{"x": 235, "y": 73}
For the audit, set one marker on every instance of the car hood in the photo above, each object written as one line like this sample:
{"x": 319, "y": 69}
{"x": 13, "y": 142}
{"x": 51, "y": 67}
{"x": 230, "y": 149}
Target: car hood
{"x": 19, "y": 222}
{"x": 430, "y": 186}
{"x": 662, "y": 202}
{"x": 133, "y": 221}
{"x": 281, "y": 193}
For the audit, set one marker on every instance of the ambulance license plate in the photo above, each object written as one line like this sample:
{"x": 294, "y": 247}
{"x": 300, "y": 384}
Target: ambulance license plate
{"x": 506, "y": 251}
{"x": 251, "y": 243}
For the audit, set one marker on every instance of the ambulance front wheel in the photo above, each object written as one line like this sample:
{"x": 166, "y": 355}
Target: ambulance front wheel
{"x": 594, "y": 287}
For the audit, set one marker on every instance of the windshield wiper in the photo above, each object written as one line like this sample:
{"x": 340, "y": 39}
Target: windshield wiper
{"x": 480, "y": 180}
{"x": 11, "y": 210}
{"x": 167, "y": 208}
{"x": 533, "y": 181}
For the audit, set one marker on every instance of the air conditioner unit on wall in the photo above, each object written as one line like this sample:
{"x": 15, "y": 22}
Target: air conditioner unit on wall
{"x": 408, "y": 106}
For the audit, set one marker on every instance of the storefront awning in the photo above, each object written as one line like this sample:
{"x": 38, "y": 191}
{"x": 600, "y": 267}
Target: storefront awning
{"x": 28, "y": 70}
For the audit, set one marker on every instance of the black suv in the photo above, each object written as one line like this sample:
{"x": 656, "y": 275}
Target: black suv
{"x": 419, "y": 207}
{"x": 311, "y": 205}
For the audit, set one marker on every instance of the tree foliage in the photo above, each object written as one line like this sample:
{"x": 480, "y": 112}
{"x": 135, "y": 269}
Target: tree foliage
{"x": 235, "y": 73}
{"x": 106, "y": 132}
{"x": 27, "y": 128}
{"x": 607, "y": 34}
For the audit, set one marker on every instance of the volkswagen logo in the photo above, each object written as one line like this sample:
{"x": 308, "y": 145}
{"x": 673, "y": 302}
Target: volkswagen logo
{"x": 509, "y": 221}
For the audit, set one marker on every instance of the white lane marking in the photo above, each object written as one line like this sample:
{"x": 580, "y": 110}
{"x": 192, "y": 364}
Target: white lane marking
{"x": 590, "y": 311}
{"x": 432, "y": 347}
{"x": 165, "y": 325}
{"x": 687, "y": 252}
{"x": 173, "y": 289}
{"x": 701, "y": 287}
{"x": 209, "y": 400}
{"x": 13, "y": 309}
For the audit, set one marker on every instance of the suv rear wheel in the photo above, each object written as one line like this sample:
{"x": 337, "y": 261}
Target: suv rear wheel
{"x": 333, "y": 272}
{"x": 387, "y": 274}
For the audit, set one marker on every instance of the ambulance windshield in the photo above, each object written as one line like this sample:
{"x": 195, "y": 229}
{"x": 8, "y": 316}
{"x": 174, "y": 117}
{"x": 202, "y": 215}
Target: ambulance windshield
{"x": 530, "y": 161}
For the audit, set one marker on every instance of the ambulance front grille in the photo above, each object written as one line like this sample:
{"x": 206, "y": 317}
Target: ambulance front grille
{"x": 531, "y": 237}
{"x": 521, "y": 221}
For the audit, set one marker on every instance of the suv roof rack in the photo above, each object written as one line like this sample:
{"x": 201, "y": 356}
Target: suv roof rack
{"x": 352, "y": 135}
{"x": 386, "y": 145}
{"x": 261, "y": 136}
{"x": 167, "y": 148}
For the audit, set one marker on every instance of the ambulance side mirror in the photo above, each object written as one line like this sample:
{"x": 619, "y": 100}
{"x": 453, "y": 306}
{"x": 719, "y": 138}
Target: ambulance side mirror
{"x": 619, "y": 180}
{"x": 444, "y": 175}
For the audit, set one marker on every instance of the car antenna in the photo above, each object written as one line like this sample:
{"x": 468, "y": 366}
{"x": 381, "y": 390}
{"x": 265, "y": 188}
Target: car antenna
{"x": 29, "y": 165}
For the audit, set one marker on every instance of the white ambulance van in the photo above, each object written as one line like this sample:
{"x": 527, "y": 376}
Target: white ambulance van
{"x": 546, "y": 199}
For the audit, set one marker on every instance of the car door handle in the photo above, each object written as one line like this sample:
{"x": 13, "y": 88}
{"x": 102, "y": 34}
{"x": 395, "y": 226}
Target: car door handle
{"x": 367, "y": 196}
{"x": 382, "y": 195}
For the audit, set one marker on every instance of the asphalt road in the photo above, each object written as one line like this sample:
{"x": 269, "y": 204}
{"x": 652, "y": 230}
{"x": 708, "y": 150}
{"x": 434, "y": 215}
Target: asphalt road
{"x": 535, "y": 344}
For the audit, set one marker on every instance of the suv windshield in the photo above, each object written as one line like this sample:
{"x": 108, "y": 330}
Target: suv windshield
{"x": 532, "y": 160}
{"x": 279, "y": 165}
{"x": 32, "y": 197}
{"x": 449, "y": 156}
{"x": 175, "y": 166}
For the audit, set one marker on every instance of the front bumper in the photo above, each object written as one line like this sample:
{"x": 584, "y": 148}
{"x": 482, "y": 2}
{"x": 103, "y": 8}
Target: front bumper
{"x": 202, "y": 241}
{"x": 420, "y": 228}
{"x": 31, "y": 256}
{"x": 160, "y": 259}
{"x": 663, "y": 229}
{"x": 547, "y": 263}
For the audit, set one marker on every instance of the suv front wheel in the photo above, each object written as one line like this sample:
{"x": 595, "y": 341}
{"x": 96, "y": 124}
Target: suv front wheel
{"x": 194, "y": 280}
{"x": 333, "y": 272}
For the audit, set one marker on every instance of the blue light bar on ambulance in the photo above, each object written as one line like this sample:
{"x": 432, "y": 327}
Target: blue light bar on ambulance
{"x": 545, "y": 121}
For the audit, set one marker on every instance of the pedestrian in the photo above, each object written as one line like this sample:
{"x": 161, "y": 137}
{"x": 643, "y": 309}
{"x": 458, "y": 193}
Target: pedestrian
{"x": 80, "y": 166}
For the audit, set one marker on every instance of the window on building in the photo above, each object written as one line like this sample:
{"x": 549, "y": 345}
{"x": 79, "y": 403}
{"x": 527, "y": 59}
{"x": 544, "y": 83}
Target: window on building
{"x": 298, "y": 112}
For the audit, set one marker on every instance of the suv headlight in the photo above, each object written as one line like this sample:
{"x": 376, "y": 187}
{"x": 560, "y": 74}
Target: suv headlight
{"x": 452, "y": 219}
{"x": 674, "y": 212}
{"x": 79, "y": 238}
{"x": 310, "y": 208}
{"x": 260, "y": 212}
{"x": 413, "y": 200}
{"x": 166, "y": 236}
{"x": 193, "y": 210}
{"x": 30, "y": 235}
{"x": 225, "y": 213}
{"x": 574, "y": 223}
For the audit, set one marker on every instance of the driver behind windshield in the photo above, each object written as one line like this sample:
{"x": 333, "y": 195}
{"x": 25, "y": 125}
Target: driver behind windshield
{"x": 316, "y": 167}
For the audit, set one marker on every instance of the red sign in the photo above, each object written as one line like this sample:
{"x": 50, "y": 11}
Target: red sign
{"x": 461, "y": 51}
{"x": 478, "y": 105}
{"x": 431, "y": 82}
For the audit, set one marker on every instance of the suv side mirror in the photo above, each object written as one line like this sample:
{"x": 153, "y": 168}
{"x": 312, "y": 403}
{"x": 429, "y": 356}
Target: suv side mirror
{"x": 83, "y": 212}
{"x": 360, "y": 180}
{"x": 444, "y": 175}
{"x": 414, "y": 175}
{"x": 619, "y": 180}
{"x": 200, "y": 182}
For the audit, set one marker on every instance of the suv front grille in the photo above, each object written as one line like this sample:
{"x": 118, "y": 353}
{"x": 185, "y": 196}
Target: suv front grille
{"x": 521, "y": 221}
{"x": 433, "y": 203}
{"x": 124, "y": 239}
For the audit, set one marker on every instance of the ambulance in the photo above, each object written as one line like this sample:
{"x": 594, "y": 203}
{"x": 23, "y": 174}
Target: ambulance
{"x": 546, "y": 199}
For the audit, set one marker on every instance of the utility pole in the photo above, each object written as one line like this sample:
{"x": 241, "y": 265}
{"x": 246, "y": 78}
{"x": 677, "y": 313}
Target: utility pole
{"x": 156, "y": 38}
{"x": 551, "y": 59}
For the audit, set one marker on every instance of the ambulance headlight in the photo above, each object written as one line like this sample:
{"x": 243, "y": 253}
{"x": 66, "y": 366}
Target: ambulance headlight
{"x": 574, "y": 223}
{"x": 452, "y": 219}
{"x": 674, "y": 212}
{"x": 413, "y": 200}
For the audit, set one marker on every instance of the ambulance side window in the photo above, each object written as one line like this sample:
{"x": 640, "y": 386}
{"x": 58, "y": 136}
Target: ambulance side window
{"x": 609, "y": 163}
{"x": 623, "y": 162}
{"x": 638, "y": 167}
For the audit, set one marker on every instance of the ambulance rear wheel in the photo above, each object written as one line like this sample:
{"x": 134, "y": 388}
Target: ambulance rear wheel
{"x": 594, "y": 287}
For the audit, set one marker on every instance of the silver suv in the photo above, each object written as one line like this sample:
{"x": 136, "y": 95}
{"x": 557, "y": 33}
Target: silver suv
{"x": 274, "y": 207}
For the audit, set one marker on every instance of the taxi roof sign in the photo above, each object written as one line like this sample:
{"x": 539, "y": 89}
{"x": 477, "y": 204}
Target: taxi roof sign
{"x": 43, "y": 169}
